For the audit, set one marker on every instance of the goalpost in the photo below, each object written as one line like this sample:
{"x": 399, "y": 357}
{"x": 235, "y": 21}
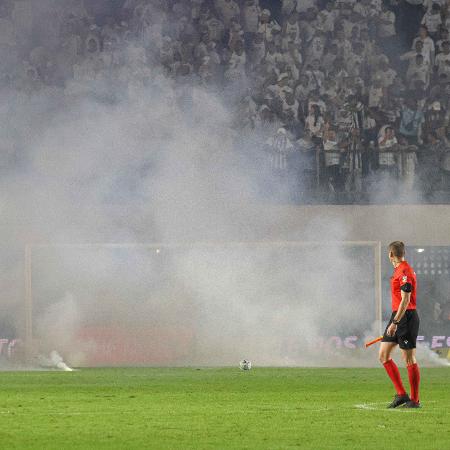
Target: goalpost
{"x": 30, "y": 249}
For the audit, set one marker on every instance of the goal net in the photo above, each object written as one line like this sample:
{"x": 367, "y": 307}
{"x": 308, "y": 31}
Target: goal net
{"x": 202, "y": 303}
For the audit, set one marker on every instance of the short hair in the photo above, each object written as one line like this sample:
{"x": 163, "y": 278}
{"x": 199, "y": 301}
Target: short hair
{"x": 397, "y": 248}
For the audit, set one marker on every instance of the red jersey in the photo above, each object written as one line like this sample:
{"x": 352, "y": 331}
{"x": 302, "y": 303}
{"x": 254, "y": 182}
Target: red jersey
{"x": 403, "y": 273}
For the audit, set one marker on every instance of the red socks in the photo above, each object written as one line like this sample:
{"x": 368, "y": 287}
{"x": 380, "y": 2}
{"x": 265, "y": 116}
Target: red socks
{"x": 394, "y": 375}
{"x": 413, "y": 375}
{"x": 414, "y": 381}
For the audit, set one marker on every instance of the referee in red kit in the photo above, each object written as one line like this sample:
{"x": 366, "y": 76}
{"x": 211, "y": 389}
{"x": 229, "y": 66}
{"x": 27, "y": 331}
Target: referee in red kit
{"x": 402, "y": 328}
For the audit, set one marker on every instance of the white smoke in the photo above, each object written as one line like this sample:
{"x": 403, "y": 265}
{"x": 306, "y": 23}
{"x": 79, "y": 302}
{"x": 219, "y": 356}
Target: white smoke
{"x": 138, "y": 166}
{"x": 58, "y": 362}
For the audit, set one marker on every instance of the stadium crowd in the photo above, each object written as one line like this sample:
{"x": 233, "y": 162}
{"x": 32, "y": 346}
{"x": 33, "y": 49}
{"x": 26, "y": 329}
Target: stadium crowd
{"x": 342, "y": 96}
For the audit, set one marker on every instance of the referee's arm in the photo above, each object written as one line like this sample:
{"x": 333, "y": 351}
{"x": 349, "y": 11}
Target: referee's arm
{"x": 406, "y": 296}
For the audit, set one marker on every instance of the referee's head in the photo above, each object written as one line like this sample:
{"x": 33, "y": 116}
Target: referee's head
{"x": 396, "y": 251}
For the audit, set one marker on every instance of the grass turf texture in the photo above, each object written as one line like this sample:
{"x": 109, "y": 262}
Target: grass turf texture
{"x": 265, "y": 408}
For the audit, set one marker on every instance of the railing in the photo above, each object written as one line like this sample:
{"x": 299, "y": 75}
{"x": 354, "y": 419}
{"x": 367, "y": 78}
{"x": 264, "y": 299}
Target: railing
{"x": 409, "y": 177}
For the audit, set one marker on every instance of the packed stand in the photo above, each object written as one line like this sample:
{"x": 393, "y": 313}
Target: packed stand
{"x": 343, "y": 98}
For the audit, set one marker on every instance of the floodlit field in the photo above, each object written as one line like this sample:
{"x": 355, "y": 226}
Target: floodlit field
{"x": 266, "y": 408}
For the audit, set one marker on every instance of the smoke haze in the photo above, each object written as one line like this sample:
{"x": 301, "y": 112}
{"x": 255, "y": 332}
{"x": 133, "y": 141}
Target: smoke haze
{"x": 161, "y": 164}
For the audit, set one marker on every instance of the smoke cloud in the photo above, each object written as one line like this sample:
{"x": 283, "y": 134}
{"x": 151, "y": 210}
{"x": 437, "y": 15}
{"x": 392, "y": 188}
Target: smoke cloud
{"x": 161, "y": 163}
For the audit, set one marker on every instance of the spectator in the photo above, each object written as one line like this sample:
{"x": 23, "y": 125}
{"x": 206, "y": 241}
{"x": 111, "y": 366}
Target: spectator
{"x": 314, "y": 123}
{"x": 427, "y": 42}
{"x": 439, "y": 90}
{"x": 236, "y": 33}
{"x": 428, "y": 4}
{"x": 432, "y": 19}
{"x": 269, "y": 28}
{"x": 434, "y": 117}
{"x": 315, "y": 49}
{"x": 369, "y": 126}
{"x": 290, "y": 107}
{"x": 306, "y": 5}
{"x": 314, "y": 99}
{"x": 202, "y": 49}
{"x": 215, "y": 27}
{"x": 376, "y": 94}
{"x": 420, "y": 50}
{"x": 293, "y": 60}
{"x": 292, "y": 27}
{"x": 273, "y": 56}
{"x": 288, "y": 7}
{"x": 315, "y": 74}
{"x": 411, "y": 122}
{"x": 385, "y": 73}
{"x": 397, "y": 92}
{"x": 227, "y": 10}
{"x": 326, "y": 18}
{"x": 388, "y": 147}
{"x": 250, "y": 19}
{"x": 88, "y": 68}
{"x": 443, "y": 36}
{"x": 329, "y": 72}
{"x": 343, "y": 44}
{"x": 442, "y": 61}
{"x": 196, "y": 7}
{"x": 419, "y": 93}
{"x": 386, "y": 29}
{"x": 281, "y": 150}
{"x": 418, "y": 70}
{"x": 332, "y": 157}
{"x": 302, "y": 92}
{"x": 265, "y": 118}
{"x": 257, "y": 49}
{"x": 330, "y": 57}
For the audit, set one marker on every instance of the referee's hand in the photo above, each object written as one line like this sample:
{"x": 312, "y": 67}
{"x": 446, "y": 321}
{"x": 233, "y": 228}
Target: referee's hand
{"x": 392, "y": 328}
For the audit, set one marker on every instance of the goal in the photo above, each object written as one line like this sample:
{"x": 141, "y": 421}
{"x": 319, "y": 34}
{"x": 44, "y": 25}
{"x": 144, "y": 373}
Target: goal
{"x": 197, "y": 303}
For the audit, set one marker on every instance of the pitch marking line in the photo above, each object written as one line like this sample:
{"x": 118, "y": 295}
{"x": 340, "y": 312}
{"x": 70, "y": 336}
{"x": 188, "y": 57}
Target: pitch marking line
{"x": 365, "y": 406}
{"x": 64, "y": 413}
{"x": 379, "y": 406}
{"x": 376, "y": 406}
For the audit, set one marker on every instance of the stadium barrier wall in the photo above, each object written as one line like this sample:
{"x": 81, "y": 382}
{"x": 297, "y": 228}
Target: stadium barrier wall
{"x": 419, "y": 225}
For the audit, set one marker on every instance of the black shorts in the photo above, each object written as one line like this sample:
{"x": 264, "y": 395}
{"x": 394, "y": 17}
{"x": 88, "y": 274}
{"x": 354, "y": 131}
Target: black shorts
{"x": 407, "y": 330}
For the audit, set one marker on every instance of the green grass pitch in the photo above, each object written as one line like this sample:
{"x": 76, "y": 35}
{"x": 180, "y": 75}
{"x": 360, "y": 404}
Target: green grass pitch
{"x": 225, "y": 408}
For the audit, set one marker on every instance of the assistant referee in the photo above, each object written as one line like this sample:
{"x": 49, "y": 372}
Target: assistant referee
{"x": 402, "y": 328}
